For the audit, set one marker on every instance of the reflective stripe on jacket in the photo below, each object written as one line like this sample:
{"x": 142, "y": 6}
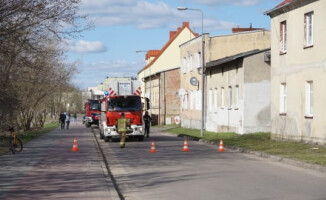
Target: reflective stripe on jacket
{"x": 122, "y": 124}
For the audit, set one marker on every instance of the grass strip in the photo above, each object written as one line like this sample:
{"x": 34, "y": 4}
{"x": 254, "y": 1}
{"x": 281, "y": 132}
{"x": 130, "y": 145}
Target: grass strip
{"x": 310, "y": 153}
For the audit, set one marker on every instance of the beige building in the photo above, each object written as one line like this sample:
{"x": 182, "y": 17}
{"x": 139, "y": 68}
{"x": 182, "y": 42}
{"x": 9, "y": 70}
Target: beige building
{"x": 238, "y": 93}
{"x": 232, "y": 61}
{"x": 161, "y": 76}
{"x": 298, "y": 79}
{"x": 190, "y": 91}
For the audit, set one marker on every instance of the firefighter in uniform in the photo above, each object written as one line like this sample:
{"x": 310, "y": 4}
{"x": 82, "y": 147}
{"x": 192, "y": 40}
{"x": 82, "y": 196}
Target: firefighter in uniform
{"x": 147, "y": 119}
{"x": 121, "y": 125}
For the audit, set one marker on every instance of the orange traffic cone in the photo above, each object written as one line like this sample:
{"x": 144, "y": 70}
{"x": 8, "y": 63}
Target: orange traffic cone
{"x": 221, "y": 147}
{"x": 185, "y": 146}
{"x": 153, "y": 150}
{"x": 75, "y": 146}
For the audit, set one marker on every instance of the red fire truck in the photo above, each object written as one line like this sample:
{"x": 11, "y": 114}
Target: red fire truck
{"x": 92, "y": 112}
{"x": 122, "y": 97}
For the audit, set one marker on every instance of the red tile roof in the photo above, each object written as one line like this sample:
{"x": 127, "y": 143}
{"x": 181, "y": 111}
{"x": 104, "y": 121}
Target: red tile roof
{"x": 152, "y": 53}
{"x": 283, "y": 3}
{"x": 173, "y": 36}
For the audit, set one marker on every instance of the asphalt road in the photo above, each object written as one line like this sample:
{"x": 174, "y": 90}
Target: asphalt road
{"x": 204, "y": 173}
{"x": 48, "y": 169}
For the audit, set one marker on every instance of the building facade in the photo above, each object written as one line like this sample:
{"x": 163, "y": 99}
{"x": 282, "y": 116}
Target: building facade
{"x": 234, "y": 68}
{"x": 161, "y": 76}
{"x": 190, "y": 91}
{"x": 238, "y": 93}
{"x": 298, "y": 80}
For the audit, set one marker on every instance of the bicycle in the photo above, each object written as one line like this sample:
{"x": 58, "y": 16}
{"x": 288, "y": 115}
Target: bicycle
{"x": 15, "y": 144}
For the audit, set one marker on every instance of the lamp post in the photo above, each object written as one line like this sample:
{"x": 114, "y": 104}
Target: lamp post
{"x": 203, "y": 65}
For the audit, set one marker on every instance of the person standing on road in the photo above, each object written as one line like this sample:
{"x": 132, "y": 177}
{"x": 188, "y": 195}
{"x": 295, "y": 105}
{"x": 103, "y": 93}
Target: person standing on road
{"x": 147, "y": 119}
{"x": 75, "y": 118}
{"x": 62, "y": 119}
{"x": 121, "y": 125}
{"x": 68, "y": 120}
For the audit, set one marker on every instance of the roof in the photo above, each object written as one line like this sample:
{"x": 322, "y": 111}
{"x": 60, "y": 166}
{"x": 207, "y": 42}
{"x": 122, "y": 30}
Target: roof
{"x": 239, "y": 30}
{"x": 152, "y": 53}
{"x": 234, "y": 57}
{"x": 173, "y": 36}
{"x": 283, "y": 4}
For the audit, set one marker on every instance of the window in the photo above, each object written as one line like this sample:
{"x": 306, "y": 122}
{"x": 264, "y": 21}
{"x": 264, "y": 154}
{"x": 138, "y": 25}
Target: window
{"x": 222, "y": 97}
{"x": 185, "y": 101}
{"x": 190, "y": 63}
{"x": 198, "y": 100}
{"x": 230, "y": 97}
{"x": 309, "y": 99}
{"x": 215, "y": 99}
{"x": 283, "y": 37}
{"x": 183, "y": 67}
{"x": 198, "y": 60}
{"x": 308, "y": 29}
{"x": 237, "y": 96}
{"x": 283, "y": 98}
{"x": 191, "y": 100}
{"x": 210, "y": 100}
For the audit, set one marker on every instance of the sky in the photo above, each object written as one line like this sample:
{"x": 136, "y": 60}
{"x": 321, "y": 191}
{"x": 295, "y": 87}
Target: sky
{"x": 122, "y": 27}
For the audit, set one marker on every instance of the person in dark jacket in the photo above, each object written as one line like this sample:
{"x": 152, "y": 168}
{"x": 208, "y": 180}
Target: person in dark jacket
{"x": 147, "y": 119}
{"x": 62, "y": 119}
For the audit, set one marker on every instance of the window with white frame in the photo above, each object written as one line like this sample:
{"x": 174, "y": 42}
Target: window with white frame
{"x": 283, "y": 98}
{"x": 185, "y": 101}
{"x": 308, "y": 29}
{"x": 210, "y": 100}
{"x": 283, "y": 37}
{"x": 222, "y": 97}
{"x": 188, "y": 64}
{"x": 191, "y": 63}
{"x": 237, "y": 96}
{"x": 309, "y": 99}
{"x": 198, "y": 60}
{"x": 191, "y": 100}
{"x": 215, "y": 98}
{"x": 230, "y": 97}
{"x": 198, "y": 100}
{"x": 183, "y": 66}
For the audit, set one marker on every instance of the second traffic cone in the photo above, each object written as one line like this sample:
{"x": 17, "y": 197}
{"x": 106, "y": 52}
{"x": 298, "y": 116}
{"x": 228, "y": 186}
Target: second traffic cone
{"x": 185, "y": 146}
{"x": 75, "y": 146}
{"x": 221, "y": 147}
{"x": 153, "y": 150}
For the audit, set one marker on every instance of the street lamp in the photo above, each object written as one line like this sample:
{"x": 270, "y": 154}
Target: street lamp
{"x": 139, "y": 51}
{"x": 203, "y": 65}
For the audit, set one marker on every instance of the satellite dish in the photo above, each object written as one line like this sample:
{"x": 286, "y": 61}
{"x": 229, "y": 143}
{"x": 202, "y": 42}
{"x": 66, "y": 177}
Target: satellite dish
{"x": 194, "y": 81}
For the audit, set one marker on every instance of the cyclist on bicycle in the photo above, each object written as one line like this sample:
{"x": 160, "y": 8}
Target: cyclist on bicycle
{"x": 15, "y": 144}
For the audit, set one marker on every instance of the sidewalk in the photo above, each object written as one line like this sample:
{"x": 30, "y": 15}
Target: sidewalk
{"x": 48, "y": 169}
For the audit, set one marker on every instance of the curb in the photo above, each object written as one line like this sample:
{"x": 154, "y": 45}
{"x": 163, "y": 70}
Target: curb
{"x": 288, "y": 161}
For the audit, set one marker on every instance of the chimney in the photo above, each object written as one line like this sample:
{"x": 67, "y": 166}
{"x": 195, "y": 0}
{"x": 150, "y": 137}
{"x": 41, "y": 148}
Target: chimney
{"x": 172, "y": 33}
{"x": 185, "y": 24}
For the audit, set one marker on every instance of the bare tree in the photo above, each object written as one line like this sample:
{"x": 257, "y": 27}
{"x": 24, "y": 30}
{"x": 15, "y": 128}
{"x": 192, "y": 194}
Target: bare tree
{"x": 32, "y": 67}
